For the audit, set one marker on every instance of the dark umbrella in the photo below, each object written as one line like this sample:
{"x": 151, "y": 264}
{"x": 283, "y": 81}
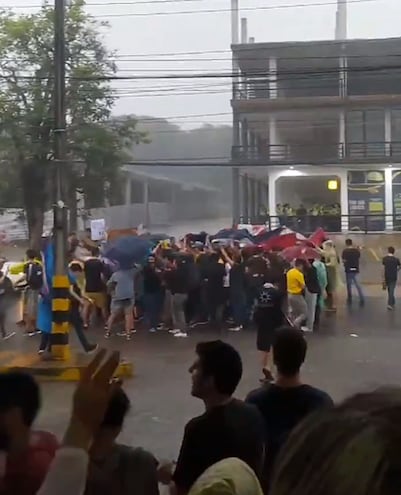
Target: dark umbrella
{"x": 127, "y": 251}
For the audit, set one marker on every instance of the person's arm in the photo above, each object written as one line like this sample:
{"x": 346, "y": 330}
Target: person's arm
{"x": 301, "y": 280}
{"x": 68, "y": 472}
{"x": 76, "y": 296}
{"x": 226, "y": 257}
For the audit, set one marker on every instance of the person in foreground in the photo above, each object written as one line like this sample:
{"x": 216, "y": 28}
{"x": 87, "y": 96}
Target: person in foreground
{"x": 228, "y": 428}
{"x": 286, "y": 402}
{"x": 68, "y": 472}
{"x": 227, "y": 477}
{"x": 352, "y": 448}
{"x": 115, "y": 468}
{"x": 25, "y": 454}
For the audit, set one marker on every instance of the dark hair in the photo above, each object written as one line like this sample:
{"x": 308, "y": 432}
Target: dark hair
{"x": 117, "y": 409}
{"x": 299, "y": 262}
{"x": 348, "y": 242}
{"x": 391, "y": 250}
{"x": 95, "y": 251}
{"x": 75, "y": 267}
{"x": 222, "y": 362}
{"x": 20, "y": 390}
{"x": 289, "y": 350}
{"x": 31, "y": 254}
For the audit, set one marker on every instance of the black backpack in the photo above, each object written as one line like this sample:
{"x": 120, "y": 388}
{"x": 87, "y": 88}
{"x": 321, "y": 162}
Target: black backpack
{"x": 34, "y": 275}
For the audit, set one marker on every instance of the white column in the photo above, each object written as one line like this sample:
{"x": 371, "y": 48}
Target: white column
{"x": 273, "y": 151}
{"x": 341, "y": 133}
{"x": 388, "y": 198}
{"x": 273, "y": 90}
{"x": 272, "y": 201}
{"x": 343, "y": 176}
{"x": 387, "y": 130}
{"x": 128, "y": 190}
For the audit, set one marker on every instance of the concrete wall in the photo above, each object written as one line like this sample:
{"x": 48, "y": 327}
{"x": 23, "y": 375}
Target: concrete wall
{"x": 126, "y": 216}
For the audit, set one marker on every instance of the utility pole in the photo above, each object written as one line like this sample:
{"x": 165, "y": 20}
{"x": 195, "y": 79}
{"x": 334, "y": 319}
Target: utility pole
{"x": 60, "y": 290}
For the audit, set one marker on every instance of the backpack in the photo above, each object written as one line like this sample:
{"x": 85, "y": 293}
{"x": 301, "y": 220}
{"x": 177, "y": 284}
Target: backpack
{"x": 34, "y": 275}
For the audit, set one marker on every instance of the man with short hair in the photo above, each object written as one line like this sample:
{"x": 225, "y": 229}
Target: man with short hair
{"x": 351, "y": 256}
{"x": 228, "y": 427}
{"x": 28, "y": 453}
{"x": 391, "y": 267}
{"x": 295, "y": 290}
{"x": 286, "y": 402}
{"x": 116, "y": 468}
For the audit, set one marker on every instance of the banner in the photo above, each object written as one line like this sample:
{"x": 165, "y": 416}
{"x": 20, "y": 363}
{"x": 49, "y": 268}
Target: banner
{"x": 366, "y": 200}
{"x": 98, "y": 229}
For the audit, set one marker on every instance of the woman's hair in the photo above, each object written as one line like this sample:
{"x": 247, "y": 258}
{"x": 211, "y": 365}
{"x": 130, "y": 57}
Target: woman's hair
{"x": 354, "y": 448}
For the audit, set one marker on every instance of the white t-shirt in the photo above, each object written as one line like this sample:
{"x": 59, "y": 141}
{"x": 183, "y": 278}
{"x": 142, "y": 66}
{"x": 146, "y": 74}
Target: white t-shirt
{"x": 226, "y": 279}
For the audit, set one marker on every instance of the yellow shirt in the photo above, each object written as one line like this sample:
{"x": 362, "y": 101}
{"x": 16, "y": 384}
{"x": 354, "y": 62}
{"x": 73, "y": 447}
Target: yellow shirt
{"x": 295, "y": 282}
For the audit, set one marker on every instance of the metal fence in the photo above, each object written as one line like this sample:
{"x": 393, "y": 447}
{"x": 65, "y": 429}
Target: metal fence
{"x": 306, "y": 224}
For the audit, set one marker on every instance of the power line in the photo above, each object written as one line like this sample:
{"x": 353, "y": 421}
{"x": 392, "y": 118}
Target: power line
{"x": 203, "y": 11}
{"x": 216, "y": 11}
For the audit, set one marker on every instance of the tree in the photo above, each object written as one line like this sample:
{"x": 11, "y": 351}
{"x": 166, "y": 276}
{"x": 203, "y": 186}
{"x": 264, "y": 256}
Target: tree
{"x": 27, "y": 109}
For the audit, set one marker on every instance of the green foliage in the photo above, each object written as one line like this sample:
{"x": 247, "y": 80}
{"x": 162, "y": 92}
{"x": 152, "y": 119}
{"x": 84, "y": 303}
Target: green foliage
{"x": 27, "y": 110}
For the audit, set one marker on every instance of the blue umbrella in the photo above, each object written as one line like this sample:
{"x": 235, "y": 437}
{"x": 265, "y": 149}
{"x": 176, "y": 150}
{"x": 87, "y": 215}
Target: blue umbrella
{"x": 127, "y": 251}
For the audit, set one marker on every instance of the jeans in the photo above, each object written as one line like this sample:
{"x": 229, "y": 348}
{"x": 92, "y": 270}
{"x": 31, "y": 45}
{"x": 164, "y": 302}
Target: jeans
{"x": 238, "y": 306}
{"x": 178, "y": 302}
{"x": 352, "y": 279}
{"x": 153, "y": 305}
{"x": 391, "y": 285}
{"x": 298, "y": 308}
{"x": 77, "y": 322}
{"x": 311, "y": 301}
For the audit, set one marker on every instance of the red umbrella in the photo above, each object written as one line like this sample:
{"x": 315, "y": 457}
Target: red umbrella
{"x": 318, "y": 237}
{"x": 302, "y": 251}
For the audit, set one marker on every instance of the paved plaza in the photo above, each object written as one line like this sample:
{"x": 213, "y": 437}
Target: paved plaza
{"x": 358, "y": 349}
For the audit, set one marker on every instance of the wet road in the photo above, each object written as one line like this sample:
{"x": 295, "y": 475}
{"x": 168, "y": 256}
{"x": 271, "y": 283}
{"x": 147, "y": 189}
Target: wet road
{"x": 358, "y": 349}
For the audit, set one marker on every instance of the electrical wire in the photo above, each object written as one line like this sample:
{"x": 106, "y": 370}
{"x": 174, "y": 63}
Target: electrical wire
{"x": 218, "y": 11}
{"x": 206, "y": 11}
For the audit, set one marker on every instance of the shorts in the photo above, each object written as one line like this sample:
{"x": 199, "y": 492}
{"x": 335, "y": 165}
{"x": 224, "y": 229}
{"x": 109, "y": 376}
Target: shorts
{"x": 31, "y": 301}
{"x": 99, "y": 299}
{"x": 267, "y": 324}
{"x": 122, "y": 306}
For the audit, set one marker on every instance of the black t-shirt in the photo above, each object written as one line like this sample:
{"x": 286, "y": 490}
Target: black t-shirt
{"x": 282, "y": 409}
{"x": 94, "y": 269}
{"x": 391, "y": 266}
{"x": 151, "y": 280}
{"x": 351, "y": 258}
{"x": 237, "y": 276}
{"x": 311, "y": 280}
{"x": 232, "y": 430}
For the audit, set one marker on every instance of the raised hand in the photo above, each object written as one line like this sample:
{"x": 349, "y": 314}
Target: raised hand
{"x": 91, "y": 399}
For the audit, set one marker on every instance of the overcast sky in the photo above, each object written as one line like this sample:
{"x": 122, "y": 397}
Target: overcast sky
{"x": 154, "y": 34}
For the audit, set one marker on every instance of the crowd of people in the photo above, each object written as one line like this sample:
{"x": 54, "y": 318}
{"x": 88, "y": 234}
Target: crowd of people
{"x": 181, "y": 287}
{"x": 285, "y": 437}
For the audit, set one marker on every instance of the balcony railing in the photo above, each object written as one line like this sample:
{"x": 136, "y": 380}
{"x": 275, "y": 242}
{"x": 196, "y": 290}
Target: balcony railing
{"x": 307, "y": 224}
{"x": 319, "y": 153}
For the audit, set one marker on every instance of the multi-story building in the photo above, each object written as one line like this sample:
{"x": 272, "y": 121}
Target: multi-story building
{"x": 319, "y": 122}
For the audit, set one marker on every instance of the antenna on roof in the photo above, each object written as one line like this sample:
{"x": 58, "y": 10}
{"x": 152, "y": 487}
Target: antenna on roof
{"x": 341, "y": 20}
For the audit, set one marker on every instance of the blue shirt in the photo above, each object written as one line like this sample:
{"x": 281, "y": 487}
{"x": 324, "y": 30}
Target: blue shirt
{"x": 124, "y": 284}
